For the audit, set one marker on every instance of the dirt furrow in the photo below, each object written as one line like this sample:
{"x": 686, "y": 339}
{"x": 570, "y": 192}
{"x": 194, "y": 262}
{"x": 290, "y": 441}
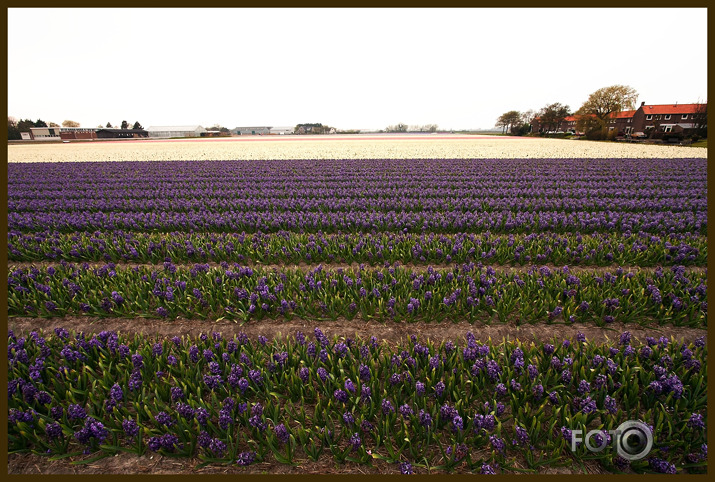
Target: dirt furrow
{"x": 334, "y": 266}
{"x": 392, "y": 332}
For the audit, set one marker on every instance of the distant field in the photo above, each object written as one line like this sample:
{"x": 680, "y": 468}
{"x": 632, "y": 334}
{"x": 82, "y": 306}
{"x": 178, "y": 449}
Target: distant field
{"x": 342, "y": 147}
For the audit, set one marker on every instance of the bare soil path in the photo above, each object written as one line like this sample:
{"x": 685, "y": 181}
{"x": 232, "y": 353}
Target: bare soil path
{"x": 392, "y": 332}
{"x": 334, "y": 266}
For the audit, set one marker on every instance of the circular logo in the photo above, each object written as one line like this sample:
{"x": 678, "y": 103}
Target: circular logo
{"x": 633, "y": 440}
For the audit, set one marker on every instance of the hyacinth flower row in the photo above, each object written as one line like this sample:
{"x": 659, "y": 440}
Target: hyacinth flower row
{"x": 642, "y": 249}
{"x": 463, "y": 178}
{"x": 357, "y": 196}
{"x": 657, "y": 222}
{"x": 337, "y": 199}
{"x": 458, "y": 405}
{"x": 470, "y": 291}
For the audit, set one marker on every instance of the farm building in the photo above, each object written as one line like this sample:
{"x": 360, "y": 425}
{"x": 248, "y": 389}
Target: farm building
{"x": 281, "y": 130}
{"x": 175, "y": 131}
{"x": 121, "y": 133}
{"x": 45, "y": 133}
{"x": 251, "y": 131}
{"x": 78, "y": 132}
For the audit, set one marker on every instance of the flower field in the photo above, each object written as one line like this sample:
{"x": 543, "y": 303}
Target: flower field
{"x": 482, "y": 407}
{"x": 582, "y": 243}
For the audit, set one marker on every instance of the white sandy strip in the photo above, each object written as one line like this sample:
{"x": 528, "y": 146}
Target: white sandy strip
{"x": 340, "y": 147}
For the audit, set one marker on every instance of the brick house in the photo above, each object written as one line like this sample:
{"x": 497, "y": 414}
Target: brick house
{"x": 569, "y": 124}
{"x": 621, "y": 122}
{"x": 676, "y": 118}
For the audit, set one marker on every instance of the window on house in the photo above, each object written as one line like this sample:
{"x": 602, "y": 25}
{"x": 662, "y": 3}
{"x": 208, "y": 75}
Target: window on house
{"x": 668, "y": 128}
{"x": 649, "y": 117}
{"x": 685, "y": 116}
{"x": 667, "y": 116}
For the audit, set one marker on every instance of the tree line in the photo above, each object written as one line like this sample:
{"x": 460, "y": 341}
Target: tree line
{"x": 591, "y": 118}
{"x": 401, "y": 127}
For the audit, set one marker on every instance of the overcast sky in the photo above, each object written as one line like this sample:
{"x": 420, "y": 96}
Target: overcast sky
{"x": 347, "y": 68}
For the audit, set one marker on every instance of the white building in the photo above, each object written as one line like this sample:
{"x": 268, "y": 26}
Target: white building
{"x": 251, "y": 131}
{"x": 282, "y": 130}
{"x": 45, "y": 133}
{"x": 175, "y": 131}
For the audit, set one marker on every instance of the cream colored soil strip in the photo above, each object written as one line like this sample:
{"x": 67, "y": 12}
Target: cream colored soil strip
{"x": 425, "y": 147}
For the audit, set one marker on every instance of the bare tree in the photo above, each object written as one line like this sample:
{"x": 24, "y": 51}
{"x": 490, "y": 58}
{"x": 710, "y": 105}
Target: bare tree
{"x": 13, "y": 133}
{"x": 527, "y": 117}
{"x": 700, "y": 120}
{"x": 70, "y": 123}
{"x": 601, "y": 104}
{"x": 400, "y": 127}
{"x": 552, "y": 115}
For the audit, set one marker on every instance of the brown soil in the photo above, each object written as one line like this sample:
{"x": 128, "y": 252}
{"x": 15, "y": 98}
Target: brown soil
{"x": 334, "y": 266}
{"x": 392, "y": 332}
{"x": 159, "y": 464}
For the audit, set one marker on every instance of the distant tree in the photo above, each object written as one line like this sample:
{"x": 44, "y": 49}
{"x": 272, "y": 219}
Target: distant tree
{"x": 527, "y": 117}
{"x": 508, "y": 119}
{"x": 40, "y": 123}
{"x": 552, "y": 115}
{"x": 520, "y": 129}
{"x": 25, "y": 125}
{"x": 526, "y": 120}
{"x": 125, "y": 125}
{"x": 591, "y": 126}
{"x": 502, "y": 122}
{"x": 315, "y": 128}
{"x": 223, "y": 131}
{"x": 601, "y": 104}
{"x": 700, "y": 120}
{"x": 423, "y": 128}
{"x": 109, "y": 125}
{"x": 13, "y": 133}
{"x": 137, "y": 125}
{"x": 70, "y": 123}
{"x": 607, "y": 100}
{"x": 399, "y": 127}
{"x": 53, "y": 124}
